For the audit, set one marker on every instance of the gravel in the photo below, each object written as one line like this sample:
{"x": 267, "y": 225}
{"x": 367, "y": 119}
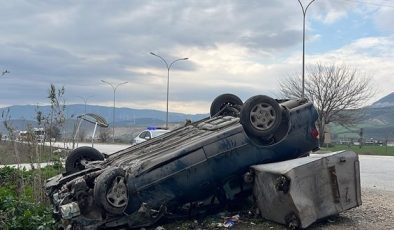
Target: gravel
{"x": 376, "y": 212}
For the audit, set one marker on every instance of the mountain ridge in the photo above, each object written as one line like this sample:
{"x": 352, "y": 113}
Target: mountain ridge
{"x": 378, "y": 122}
{"x": 29, "y": 112}
{"x": 386, "y": 101}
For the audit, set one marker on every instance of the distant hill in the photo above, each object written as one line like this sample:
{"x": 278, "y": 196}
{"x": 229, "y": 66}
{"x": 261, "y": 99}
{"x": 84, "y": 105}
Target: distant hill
{"x": 23, "y": 114}
{"x": 378, "y": 123}
{"x": 378, "y": 118}
{"x": 387, "y": 101}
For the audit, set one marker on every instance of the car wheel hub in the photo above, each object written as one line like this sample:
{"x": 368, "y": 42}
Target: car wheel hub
{"x": 262, "y": 116}
{"x": 117, "y": 195}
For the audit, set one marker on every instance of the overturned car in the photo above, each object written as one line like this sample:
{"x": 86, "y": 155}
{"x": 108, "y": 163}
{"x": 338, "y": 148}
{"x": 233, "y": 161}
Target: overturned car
{"x": 207, "y": 159}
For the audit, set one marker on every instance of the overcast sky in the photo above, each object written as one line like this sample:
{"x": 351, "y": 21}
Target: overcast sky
{"x": 234, "y": 46}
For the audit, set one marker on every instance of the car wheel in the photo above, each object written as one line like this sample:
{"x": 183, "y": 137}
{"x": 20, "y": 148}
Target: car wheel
{"x": 110, "y": 190}
{"x": 85, "y": 153}
{"x": 226, "y": 105}
{"x": 261, "y": 116}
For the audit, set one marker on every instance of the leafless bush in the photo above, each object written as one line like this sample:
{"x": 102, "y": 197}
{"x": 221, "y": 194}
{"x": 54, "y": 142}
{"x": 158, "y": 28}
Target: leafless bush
{"x": 104, "y": 134}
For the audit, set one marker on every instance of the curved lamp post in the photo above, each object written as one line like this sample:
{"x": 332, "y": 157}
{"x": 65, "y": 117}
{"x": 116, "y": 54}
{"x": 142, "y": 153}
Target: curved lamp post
{"x": 85, "y": 100}
{"x": 168, "y": 66}
{"x": 303, "y": 44}
{"x": 114, "y": 87}
{"x": 4, "y": 72}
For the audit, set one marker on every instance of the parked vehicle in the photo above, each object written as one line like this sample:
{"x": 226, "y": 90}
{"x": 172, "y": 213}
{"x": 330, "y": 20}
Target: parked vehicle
{"x": 149, "y": 133}
{"x": 204, "y": 159}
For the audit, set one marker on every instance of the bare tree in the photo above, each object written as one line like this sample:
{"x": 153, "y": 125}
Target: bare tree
{"x": 54, "y": 122}
{"x": 104, "y": 134}
{"x": 82, "y": 134}
{"x": 336, "y": 91}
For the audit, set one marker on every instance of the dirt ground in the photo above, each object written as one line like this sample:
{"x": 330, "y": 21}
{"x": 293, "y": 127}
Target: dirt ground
{"x": 376, "y": 212}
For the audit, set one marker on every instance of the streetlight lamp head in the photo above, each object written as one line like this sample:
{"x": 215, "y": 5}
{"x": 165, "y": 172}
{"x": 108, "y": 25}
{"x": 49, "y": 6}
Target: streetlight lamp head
{"x": 5, "y": 72}
{"x": 153, "y": 53}
{"x": 185, "y": 59}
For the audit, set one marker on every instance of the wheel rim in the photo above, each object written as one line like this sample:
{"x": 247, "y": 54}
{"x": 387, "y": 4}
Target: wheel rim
{"x": 262, "y": 116}
{"x": 117, "y": 195}
{"x": 78, "y": 163}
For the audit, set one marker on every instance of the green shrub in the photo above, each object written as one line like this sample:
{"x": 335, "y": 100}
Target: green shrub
{"x": 18, "y": 208}
{"x": 22, "y": 214}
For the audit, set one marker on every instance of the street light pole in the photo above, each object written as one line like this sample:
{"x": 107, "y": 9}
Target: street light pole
{"x": 114, "y": 87}
{"x": 168, "y": 77}
{"x": 303, "y": 45}
{"x": 85, "y": 100}
{"x": 4, "y": 72}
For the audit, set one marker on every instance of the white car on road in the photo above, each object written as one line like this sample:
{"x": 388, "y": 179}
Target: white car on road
{"x": 148, "y": 134}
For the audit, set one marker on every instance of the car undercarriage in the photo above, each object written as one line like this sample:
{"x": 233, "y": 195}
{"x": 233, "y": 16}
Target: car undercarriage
{"x": 203, "y": 163}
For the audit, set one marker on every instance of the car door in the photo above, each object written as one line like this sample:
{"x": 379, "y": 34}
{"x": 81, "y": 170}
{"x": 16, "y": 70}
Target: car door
{"x": 142, "y": 137}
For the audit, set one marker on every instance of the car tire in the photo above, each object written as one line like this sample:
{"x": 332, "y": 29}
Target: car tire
{"x": 261, "y": 116}
{"x": 73, "y": 161}
{"x": 110, "y": 190}
{"x": 221, "y": 105}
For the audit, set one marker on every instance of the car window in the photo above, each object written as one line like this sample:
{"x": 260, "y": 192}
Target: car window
{"x": 143, "y": 134}
{"x": 148, "y": 135}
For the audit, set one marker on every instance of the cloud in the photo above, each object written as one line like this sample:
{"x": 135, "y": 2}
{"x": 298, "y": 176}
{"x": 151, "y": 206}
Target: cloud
{"x": 329, "y": 12}
{"x": 384, "y": 17}
{"x": 371, "y": 56}
{"x": 240, "y": 47}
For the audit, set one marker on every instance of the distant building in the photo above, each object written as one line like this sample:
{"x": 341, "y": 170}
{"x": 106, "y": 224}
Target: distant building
{"x": 390, "y": 143}
{"x": 38, "y": 134}
{"x": 4, "y": 138}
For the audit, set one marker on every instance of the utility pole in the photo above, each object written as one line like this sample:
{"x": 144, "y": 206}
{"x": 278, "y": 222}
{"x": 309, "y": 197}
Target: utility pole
{"x": 85, "y": 100}
{"x": 168, "y": 77}
{"x": 114, "y": 87}
{"x": 303, "y": 44}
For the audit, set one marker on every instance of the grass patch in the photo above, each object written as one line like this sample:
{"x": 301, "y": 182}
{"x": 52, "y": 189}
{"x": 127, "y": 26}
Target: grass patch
{"x": 364, "y": 150}
{"x": 28, "y": 153}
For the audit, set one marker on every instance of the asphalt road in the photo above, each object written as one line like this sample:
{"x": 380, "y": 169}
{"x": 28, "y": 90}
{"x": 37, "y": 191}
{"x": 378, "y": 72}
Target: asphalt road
{"x": 377, "y": 172}
{"x": 104, "y": 148}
